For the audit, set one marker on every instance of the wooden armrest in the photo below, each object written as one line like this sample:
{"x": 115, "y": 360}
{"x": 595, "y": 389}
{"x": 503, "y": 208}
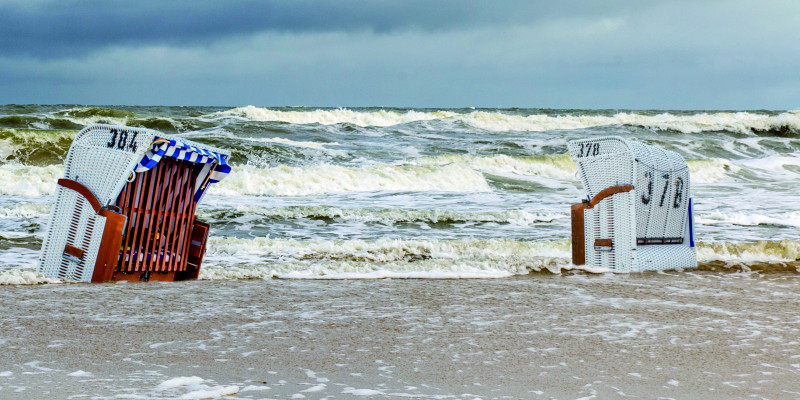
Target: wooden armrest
{"x": 608, "y": 192}
{"x": 83, "y": 191}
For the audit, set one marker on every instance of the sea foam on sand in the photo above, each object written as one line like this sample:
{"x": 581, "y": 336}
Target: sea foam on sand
{"x": 197, "y": 390}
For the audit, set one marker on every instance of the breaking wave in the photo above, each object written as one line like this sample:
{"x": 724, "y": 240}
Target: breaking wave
{"x": 35, "y": 147}
{"x": 25, "y": 210}
{"x": 260, "y": 258}
{"x": 78, "y": 117}
{"x": 449, "y": 173}
{"x": 556, "y": 166}
{"x": 711, "y": 170}
{"x": 784, "y": 124}
{"x": 326, "y": 178}
{"x": 763, "y": 256}
{"x": 748, "y": 219}
{"x": 27, "y": 180}
{"x": 24, "y": 276}
{"x": 331, "y": 117}
{"x": 388, "y": 215}
{"x": 265, "y": 258}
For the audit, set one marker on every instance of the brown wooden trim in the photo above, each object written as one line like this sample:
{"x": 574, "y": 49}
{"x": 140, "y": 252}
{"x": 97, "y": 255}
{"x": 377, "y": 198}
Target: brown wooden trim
{"x": 82, "y": 190}
{"x": 108, "y": 255}
{"x": 127, "y": 276}
{"x": 578, "y": 234}
{"x": 127, "y": 246}
{"x": 608, "y": 192}
{"x": 162, "y": 276}
{"x": 73, "y": 251}
{"x": 603, "y": 243}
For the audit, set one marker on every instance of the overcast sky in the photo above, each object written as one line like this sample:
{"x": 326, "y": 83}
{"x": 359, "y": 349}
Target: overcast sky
{"x": 698, "y": 54}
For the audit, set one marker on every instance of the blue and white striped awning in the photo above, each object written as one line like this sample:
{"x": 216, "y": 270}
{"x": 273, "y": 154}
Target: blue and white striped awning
{"x": 183, "y": 151}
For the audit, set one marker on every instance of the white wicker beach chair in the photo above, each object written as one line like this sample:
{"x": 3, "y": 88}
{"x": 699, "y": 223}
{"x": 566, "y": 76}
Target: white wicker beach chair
{"x": 638, "y": 211}
{"x": 90, "y": 218}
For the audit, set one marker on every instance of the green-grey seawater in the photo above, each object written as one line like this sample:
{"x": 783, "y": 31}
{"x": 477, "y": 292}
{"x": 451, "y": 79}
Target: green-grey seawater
{"x": 364, "y": 193}
{"x": 376, "y": 192}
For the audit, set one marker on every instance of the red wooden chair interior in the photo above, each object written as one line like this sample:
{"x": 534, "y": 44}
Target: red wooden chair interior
{"x": 161, "y": 227}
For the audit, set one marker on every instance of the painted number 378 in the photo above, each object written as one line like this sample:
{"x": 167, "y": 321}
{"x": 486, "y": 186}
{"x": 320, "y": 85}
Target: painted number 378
{"x": 588, "y": 149}
{"x": 119, "y": 140}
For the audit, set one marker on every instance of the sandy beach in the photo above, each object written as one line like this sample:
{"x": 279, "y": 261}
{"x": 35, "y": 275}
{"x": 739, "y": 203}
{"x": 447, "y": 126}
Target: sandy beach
{"x": 677, "y": 335}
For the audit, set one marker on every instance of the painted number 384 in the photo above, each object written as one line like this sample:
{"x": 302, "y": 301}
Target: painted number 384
{"x": 119, "y": 140}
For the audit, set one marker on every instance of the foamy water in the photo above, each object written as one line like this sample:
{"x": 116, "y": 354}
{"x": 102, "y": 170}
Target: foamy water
{"x": 738, "y": 122}
{"x": 401, "y": 253}
{"x": 539, "y": 336}
{"x": 375, "y": 193}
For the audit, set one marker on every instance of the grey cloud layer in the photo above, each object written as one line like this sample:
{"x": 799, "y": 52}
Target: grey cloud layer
{"x": 61, "y": 28}
{"x": 584, "y": 54}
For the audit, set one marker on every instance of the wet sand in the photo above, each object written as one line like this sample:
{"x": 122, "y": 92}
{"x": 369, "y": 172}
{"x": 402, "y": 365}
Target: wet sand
{"x": 677, "y": 335}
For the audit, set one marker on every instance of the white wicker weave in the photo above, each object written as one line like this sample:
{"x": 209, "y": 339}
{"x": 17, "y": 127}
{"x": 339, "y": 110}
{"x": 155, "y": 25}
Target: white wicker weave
{"x": 650, "y": 226}
{"x": 102, "y": 158}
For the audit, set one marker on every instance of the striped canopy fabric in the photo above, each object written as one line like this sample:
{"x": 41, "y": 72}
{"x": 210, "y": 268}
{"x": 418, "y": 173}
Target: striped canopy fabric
{"x": 183, "y": 151}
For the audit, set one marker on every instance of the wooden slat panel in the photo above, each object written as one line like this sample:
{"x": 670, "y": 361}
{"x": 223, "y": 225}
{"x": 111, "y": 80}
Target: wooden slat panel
{"x": 159, "y": 189}
{"x": 160, "y": 208}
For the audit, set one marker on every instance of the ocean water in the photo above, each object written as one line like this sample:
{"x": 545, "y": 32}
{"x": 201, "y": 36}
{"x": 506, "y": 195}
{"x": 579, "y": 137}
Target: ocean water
{"x": 324, "y": 205}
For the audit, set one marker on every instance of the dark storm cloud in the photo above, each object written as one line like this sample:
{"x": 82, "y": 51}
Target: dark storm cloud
{"x": 69, "y": 28}
{"x": 730, "y": 54}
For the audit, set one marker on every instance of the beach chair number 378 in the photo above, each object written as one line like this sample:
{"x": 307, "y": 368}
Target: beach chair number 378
{"x": 678, "y": 190}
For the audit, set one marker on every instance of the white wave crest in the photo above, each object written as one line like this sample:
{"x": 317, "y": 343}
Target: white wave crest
{"x": 556, "y": 166}
{"x": 711, "y": 170}
{"x": 778, "y": 165}
{"x": 25, "y": 210}
{"x": 6, "y": 148}
{"x": 452, "y": 173}
{"x": 749, "y": 253}
{"x": 448, "y": 173}
{"x": 261, "y": 258}
{"x": 740, "y": 122}
{"x": 24, "y": 276}
{"x": 27, "y": 180}
{"x": 326, "y": 178}
{"x": 745, "y": 219}
{"x": 289, "y": 142}
{"x": 330, "y": 117}
{"x": 264, "y": 258}
{"x": 97, "y": 119}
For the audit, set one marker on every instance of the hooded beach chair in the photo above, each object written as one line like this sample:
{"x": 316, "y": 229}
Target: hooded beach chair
{"x": 638, "y": 213}
{"x": 125, "y": 208}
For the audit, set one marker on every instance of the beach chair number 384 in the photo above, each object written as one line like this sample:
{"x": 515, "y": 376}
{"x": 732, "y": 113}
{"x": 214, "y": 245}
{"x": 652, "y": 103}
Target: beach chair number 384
{"x": 122, "y": 142}
{"x": 125, "y": 208}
